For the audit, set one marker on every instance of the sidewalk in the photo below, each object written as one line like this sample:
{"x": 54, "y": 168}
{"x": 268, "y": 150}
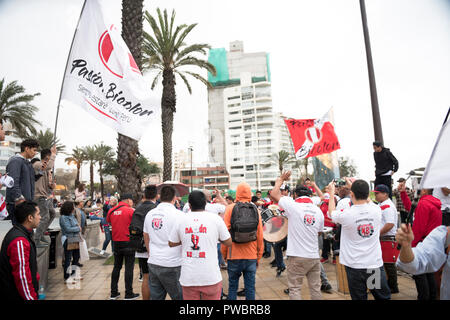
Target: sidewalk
{"x": 97, "y": 277}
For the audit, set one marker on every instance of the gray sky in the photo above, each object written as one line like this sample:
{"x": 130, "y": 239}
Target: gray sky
{"x": 317, "y": 61}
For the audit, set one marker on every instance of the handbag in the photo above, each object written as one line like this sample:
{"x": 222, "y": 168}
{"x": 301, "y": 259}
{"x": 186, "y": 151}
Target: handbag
{"x": 73, "y": 243}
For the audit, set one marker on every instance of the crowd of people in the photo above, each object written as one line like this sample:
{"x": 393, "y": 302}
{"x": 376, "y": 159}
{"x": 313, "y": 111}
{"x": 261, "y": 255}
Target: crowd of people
{"x": 182, "y": 247}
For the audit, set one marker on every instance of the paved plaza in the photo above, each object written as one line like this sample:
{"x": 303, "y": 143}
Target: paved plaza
{"x": 97, "y": 277}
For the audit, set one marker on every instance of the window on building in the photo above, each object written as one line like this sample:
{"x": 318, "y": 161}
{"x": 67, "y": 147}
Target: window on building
{"x": 236, "y": 128}
{"x": 233, "y": 97}
{"x": 237, "y": 167}
{"x": 248, "y": 143}
{"x": 247, "y": 93}
{"x": 247, "y": 112}
{"x": 247, "y": 120}
{"x": 250, "y": 168}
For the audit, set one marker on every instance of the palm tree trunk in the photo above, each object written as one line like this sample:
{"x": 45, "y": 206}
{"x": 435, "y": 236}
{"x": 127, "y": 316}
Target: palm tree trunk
{"x": 91, "y": 171}
{"x": 127, "y": 148}
{"x": 77, "y": 180}
{"x": 168, "y": 103}
{"x": 102, "y": 187}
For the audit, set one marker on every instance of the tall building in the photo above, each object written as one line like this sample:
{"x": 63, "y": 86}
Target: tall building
{"x": 181, "y": 159}
{"x": 9, "y": 147}
{"x": 244, "y": 132}
{"x": 209, "y": 177}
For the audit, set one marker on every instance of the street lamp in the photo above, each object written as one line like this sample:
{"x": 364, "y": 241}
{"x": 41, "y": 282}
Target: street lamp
{"x": 191, "y": 149}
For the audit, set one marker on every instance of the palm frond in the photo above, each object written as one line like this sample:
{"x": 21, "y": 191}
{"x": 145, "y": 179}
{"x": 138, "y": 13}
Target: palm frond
{"x": 186, "y": 82}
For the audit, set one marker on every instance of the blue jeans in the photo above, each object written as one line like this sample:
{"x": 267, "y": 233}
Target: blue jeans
{"x": 277, "y": 248}
{"x": 357, "y": 284}
{"x": 219, "y": 255}
{"x": 267, "y": 247}
{"x": 108, "y": 237}
{"x": 235, "y": 269}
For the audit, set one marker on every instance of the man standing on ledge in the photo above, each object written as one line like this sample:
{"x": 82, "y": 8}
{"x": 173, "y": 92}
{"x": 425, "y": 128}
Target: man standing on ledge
{"x": 385, "y": 165}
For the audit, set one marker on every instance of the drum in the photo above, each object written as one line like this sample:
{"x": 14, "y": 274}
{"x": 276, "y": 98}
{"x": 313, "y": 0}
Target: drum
{"x": 389, "y": 249}
{"x": 275, "y": 224}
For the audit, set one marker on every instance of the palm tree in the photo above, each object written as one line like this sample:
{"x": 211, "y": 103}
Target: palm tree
{"x": 46, "y": 140}
{"x": 103, "y": 153}
{"x": 91, "y": 155}
{"x": 281, "y": 159}
{"x": 16, "y": 108}
{"x": 77, "y": 157}
{"x": 166, "y": 52}
{"x": 127, "y": 148}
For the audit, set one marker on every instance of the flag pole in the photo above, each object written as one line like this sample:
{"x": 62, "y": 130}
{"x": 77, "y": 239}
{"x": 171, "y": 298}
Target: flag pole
{"x": 64, "y": 75}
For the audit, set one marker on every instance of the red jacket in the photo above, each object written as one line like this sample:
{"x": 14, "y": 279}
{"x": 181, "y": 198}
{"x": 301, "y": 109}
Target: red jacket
{"x": 427, "y": 216}
{"x": 324, "y": 207}
{"x": 120, "y": 219}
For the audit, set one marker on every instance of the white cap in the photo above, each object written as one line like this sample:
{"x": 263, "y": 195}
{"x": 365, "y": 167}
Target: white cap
{"x": 7, "y": 181}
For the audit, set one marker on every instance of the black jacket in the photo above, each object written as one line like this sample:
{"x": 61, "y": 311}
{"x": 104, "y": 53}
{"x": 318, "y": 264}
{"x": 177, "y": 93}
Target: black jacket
{"x": 8, "y": 288}
{"x": 21, "y": 170}
{"x": 384, "y": 161}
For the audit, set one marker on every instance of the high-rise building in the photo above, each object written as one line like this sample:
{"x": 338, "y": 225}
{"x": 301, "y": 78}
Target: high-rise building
{"x": 244, "y": 132}
{"x": 9, "y": 147}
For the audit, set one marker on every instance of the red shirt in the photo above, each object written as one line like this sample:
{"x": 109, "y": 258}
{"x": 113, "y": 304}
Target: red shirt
{"x": 427, "y": 216}
{"x": 120, "y": 218}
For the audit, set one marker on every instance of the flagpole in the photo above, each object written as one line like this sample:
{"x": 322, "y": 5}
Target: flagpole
{"x": 64, "y": 75}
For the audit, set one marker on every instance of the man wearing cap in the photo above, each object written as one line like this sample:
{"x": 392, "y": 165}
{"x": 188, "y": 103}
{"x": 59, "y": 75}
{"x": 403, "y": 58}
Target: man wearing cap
{"x": 389, "y": 220}
{"x": 398, "y": 200}
{"x": 119, "y": 217}
{"x": 385, "y": 165}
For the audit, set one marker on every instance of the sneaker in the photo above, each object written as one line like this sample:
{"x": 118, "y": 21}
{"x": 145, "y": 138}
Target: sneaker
{"x": 266, "y": 255}
{"x": 70, "y": 280}
{"x": 114, "y": 296}
{"x": 223, "y": 266}
{"x": 286, "y": 291}
{"x": 77, "y": 264}
{"x": 141, "y": 278}
{"x": 133, "y": 296}
{"x": 326, "y": 288}
{"x": 334, "y": 261}
{"x": 80, "y": 277}
{"x": 323, "y": 260}
{"x": 102, "y": 252}
{"x": 273, "y": 263}
{"x": 241, "y": 293}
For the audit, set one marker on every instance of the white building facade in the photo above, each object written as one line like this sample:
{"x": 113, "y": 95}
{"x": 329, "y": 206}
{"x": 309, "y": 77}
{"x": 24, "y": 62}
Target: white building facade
{"x": 245, "y": 133}
{"x": 9, "y": 147}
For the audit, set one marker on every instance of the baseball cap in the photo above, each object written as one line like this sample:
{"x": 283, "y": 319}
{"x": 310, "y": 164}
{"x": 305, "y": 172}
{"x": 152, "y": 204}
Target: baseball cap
{"x": 381, "y": 188}
{"x": 401, "y": 180}
{"x": 126, "y": 196}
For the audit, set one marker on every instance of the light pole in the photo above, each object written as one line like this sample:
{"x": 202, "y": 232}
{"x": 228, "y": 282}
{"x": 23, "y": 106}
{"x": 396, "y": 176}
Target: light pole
{"x": 191, "y": 149}
{"x": 373, "y": 88}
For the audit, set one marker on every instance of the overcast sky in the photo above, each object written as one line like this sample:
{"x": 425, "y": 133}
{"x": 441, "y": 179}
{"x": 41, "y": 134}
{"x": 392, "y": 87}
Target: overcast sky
{"x": 317, "y": 59}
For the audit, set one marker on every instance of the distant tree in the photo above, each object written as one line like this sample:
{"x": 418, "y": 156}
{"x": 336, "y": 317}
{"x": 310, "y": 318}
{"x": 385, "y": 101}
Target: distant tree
{"x": 16, "y": 108}
{"x": 145, "y": 167}
{"x": 281, "y": 158}
{"x": 77, "y": 157}
{"x": 347, "y": 168}
{"x": 103, "y": 153}
{"x": 46, "y": 140}
{"x": 91, "y": 156}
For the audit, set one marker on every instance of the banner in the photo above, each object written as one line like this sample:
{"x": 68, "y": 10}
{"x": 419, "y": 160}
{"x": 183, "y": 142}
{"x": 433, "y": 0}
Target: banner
{"x": 437, "y": 171}
{"x": 102, "y": 77}
{"x": 312, "y": 137}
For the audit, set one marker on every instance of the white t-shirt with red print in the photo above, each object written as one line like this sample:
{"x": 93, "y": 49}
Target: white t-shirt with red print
{"x": 198, "y": 233}
{"x": 305, "y": 222}
{"x": 360, "y": 244}
{"x": 389, "y": 215}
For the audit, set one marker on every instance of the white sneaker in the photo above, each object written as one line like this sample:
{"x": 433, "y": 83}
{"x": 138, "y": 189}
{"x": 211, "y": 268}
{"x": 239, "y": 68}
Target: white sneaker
{"x": 102, "y": 252}
{"x": 70, "y": 280}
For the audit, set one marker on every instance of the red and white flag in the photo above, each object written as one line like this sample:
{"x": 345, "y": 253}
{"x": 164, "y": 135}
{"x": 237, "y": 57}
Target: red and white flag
{"x": 103, "y": 78}
{"x": 312, "y": 137}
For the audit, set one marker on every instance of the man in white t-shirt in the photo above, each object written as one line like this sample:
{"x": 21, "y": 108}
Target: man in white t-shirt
{"x": 389, "y": 219}
{"x": 360, "y": 250}
{"x": 164, "y": 262}
{"x": 305, "y": 224}
{"x": 197, "y": 233}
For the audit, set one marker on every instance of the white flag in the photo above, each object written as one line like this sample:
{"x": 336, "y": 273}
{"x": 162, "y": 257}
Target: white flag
{"x": 437, "y": 172}
{"x": 103, "y": 78}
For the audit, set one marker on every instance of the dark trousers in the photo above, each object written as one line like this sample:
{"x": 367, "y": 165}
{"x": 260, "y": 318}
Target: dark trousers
{"x": 327, "y": 245}
{"x": 68, "y": 256}
{"x": 387, "y": 181}
{"x": 122, "y": 253}
{"x": 426, "y": 286}
{"x": 278, "y": 250}
{"x": 358, "y": 280}
{"x": 10, "y": 207}
{"x": 391, "y": 272}
{"x": 267, "y": 247}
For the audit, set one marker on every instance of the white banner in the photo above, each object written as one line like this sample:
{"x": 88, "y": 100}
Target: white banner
{"x": 437, "y": 172}
{"x": 103, "y": 78}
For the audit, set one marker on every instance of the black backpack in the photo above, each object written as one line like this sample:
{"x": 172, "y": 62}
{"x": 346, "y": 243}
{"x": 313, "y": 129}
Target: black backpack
{"x": 136, "y": 227}
{"x": 244, "y": 222}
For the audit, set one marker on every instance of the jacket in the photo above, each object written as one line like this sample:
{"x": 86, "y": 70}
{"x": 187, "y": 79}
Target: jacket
{"x": 427, "y": 216}
{"x": 249, "y": 250}
{"x": 69, "y": 226}
{"x": 21, "y": 170}
{"x": 384, "y": 161}
{"x": 120, "y": 218}
{"x": 19, "y": 277}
